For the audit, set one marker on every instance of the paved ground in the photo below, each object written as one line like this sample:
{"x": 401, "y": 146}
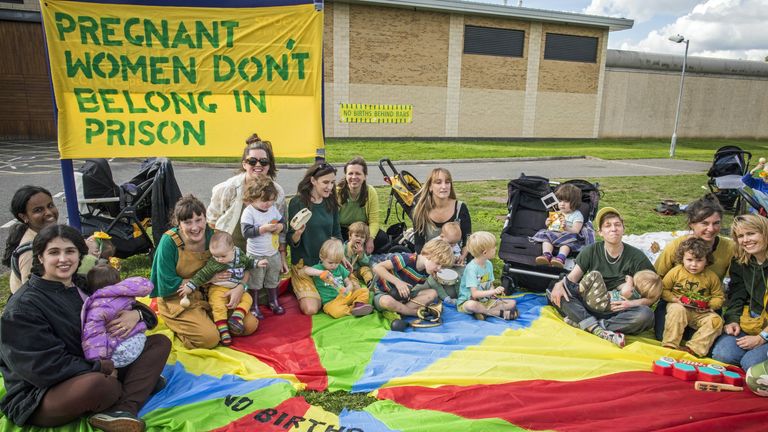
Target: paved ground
{"x": 36, "y": 162}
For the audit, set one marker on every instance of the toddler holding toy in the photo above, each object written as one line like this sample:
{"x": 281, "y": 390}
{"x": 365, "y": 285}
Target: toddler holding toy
{"x": 340, "y": 295}
{"x": 354, "y": 253}
{"x": 563, "y": 227}
{"x": 476, "y": 292}
{"x": 261, "y": 223}
{"x": 692, "y": 278}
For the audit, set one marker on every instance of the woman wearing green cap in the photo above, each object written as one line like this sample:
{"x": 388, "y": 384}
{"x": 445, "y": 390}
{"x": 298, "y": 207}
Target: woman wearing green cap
{"x": 610, "y": 262}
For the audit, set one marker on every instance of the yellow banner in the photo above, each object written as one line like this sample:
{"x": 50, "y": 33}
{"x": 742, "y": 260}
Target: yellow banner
{"x": 367, "y": 113}
{"x": 137, "y": 81}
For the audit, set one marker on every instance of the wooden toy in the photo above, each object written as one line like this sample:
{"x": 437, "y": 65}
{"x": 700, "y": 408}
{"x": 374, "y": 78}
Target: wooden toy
{"x": 300, "y": 219}
{"x": 715, "y": 387}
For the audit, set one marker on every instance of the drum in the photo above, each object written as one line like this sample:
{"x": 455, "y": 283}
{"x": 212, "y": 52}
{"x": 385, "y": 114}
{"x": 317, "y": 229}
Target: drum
{"x": 300, "y": 219}
{"x": 447, "y": 277}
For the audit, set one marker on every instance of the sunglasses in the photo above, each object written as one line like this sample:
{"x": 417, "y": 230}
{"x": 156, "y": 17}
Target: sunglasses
{"x": 253, "y": 161}
{"x": 324, "y": 167}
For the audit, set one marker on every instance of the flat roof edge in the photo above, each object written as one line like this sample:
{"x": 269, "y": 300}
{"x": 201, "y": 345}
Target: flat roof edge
{"x": 473, "y": 8}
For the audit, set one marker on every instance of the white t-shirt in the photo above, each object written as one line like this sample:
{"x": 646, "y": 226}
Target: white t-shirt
{"x": 265, "y": 244}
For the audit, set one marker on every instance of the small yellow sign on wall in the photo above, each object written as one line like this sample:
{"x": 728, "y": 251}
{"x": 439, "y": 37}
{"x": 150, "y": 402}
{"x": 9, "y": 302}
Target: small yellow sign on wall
{"x": 375, "y": 113}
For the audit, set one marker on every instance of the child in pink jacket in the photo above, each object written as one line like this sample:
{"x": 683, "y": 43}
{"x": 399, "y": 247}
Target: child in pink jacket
{"x": 110, "y": 297}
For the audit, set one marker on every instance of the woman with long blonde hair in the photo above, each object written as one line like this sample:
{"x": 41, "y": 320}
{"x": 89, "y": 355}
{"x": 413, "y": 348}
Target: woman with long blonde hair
{"x": 436, "y": 206}
{"x": 745, "y": 334}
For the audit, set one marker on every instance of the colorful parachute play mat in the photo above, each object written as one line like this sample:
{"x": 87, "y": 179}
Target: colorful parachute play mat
{"x": 535, "y": 373}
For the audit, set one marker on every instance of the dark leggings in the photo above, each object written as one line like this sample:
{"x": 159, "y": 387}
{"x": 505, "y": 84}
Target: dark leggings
{"x": 95, "y": 392}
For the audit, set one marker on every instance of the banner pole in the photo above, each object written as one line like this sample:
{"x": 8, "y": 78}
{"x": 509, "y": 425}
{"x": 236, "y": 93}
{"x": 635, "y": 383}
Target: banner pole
{"x": 70, "y": 193}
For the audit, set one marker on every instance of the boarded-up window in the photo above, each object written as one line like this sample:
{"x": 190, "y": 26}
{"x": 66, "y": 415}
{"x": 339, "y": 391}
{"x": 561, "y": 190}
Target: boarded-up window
{"x": 493, "y": 41}
{"x": 570, "y": 48}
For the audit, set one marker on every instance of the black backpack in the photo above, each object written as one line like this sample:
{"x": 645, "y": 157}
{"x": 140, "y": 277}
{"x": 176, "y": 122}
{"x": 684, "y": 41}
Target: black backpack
{"x": 17, "y": 253}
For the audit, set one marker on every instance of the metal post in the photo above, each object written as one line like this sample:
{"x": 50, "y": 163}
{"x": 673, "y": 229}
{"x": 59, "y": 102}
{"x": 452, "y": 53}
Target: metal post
{"x": 679, "y": 102}
{"x": 70, "y": 193}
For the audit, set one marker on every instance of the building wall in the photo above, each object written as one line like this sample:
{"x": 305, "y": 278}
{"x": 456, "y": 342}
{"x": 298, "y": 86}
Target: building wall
{"x": 400, "y": 56}
{"x": 642, "y": 103}
{"x": 26, "y": 102}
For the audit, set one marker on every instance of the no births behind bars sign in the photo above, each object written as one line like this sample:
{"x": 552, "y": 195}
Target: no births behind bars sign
{"x": 138, "y": 80}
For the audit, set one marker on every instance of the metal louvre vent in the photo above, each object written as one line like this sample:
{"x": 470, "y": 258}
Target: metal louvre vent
{"x": 493, "y": 41}
{"x": 570, "y": 48}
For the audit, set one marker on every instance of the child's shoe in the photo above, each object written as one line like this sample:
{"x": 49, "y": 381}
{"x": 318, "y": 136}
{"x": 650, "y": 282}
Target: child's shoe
{"x": 235, "y": 322}
{"x": 557, "y": 262}
{"x": 613, "y": 337}
{"x": 542, "y": 260}
{"x": 226, "y": 338}
{"x": 273, "y": 302}
{"x": 361, "y": 309}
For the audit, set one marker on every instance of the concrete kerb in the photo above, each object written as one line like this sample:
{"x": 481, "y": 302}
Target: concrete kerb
{"x": 395, "y": 162}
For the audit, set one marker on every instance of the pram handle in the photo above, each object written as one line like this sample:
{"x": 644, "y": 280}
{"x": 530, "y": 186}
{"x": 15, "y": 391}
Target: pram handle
{"x": 382, "y": 161}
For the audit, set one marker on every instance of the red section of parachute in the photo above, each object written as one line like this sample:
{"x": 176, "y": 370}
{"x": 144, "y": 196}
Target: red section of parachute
{"x": 285, "y": 343}
{"x": 280, "y": 418}
{"x": 641, "y": 400}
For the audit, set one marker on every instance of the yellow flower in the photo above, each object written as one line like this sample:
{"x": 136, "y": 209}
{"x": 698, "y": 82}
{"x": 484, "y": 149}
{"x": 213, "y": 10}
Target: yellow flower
{"x": 102, "y": 235}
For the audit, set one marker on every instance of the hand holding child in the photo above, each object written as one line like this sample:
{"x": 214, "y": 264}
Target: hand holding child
{"x": 235, "y": 294}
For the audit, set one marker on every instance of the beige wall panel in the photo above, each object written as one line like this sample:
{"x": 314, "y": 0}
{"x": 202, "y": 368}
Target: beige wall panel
{"x": 493, "y": 72}
{"x": 328, "y": 42}
{"x": 564, "y": 115}
{"x": 567, "y": 76}
{"x": 491, "y": 113}
{"x": 643, "y": 104}
{"x": 328, "y": 106}
{"x": 428, "y": 110}
{"x": 397, "y": 46}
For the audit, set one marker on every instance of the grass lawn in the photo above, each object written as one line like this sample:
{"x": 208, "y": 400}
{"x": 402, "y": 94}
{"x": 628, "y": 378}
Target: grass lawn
{"x": 342, "y": 150}
{"x": 635, "y": 197}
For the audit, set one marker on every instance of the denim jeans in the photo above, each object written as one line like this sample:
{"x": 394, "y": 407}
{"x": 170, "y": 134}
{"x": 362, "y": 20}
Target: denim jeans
{"x": 631, "y": 321}
{"x": 727, "y": 351}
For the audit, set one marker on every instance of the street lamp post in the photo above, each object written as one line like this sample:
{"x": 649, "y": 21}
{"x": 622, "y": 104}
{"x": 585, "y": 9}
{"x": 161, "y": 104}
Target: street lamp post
{"x": 678, "y": 39}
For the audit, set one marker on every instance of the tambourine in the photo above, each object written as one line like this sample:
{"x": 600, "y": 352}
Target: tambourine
{"x": 447, "y": 277}
{"x": 300, "y": 219}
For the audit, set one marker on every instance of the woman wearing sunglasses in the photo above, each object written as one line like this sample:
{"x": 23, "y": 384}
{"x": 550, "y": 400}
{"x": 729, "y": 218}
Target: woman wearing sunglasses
{"x": 316, "y": 192}
{"x": 226, "y": 205}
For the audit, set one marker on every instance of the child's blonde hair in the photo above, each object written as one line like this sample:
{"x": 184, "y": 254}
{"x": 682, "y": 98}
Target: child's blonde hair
{"x": 259, "y": 188}
{"x": 438, "y": 251}
{"x": 451, "y": 229}
{"x": 221, "y": 238}
{"x": 648, "y": 284}
{"x": 479, "y": 242}
{"x": 332, "y": 250}
{"x": 359, "y": 228}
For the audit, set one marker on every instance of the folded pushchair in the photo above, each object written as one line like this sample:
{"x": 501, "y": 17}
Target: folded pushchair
{"x": 729, "y": 165}
{"x": 404, "y": 188}
{"x": 126, "y": 211}
{"x": 526, "y": 215}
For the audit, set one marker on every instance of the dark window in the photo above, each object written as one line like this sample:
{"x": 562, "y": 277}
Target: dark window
{"x": 493, "y": 41}
{"x": 570, "y": 48}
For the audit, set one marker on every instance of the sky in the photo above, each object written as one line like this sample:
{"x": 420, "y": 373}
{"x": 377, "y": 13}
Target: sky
{"x": 736, "y": 29}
